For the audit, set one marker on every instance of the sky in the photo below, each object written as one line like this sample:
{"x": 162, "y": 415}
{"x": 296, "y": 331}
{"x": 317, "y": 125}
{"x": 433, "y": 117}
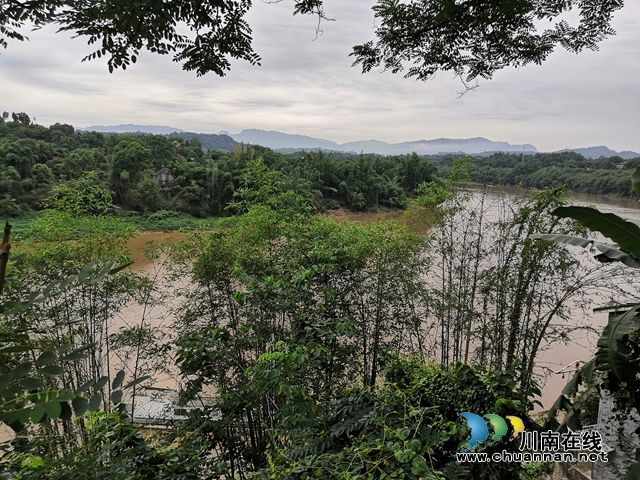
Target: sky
{"x": 306, "y": 85}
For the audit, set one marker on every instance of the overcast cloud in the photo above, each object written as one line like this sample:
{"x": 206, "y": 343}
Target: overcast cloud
{"x": 308, "y": 87}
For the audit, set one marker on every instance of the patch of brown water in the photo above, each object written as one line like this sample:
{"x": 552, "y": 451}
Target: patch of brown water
{"x": 137, "y": 245}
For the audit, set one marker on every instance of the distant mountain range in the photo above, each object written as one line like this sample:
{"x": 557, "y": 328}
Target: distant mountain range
{"x": 288, "y": 143}
{"x": 130, "y": 128}
{"x": 279, "y": 140}
{"x": 602, "y": 151}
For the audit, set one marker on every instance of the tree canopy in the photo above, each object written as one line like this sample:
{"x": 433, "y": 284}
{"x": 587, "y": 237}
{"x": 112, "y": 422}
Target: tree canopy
{"x": 476, "y": 38}
{"x": 468, "y": 37}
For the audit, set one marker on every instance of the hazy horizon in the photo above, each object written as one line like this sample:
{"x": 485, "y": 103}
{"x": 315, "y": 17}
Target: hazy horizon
{"x": 306, "y": 86}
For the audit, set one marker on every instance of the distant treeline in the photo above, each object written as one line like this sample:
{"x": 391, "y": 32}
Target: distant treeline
{"x": 601, "y": 176}
{"x": 36, "y": 162}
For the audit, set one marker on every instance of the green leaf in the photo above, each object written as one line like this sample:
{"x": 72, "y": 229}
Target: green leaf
{"x": 5, "y": 379}
{"x": 572, "y": 385}
{"x": 94, "y": 403}
{"x": 37, "y": 413}
{"x": 419, "y": 466}
{"x": 404, "y": 456}
{"x": 85, "y": 386}
{"x": 24, "y": 415}
{"x": 77, "y": 354}
{"x": 625, "y": 234}
{"x": 414, "y": 445}
{"x": 84, "y": 272}
{"x": 31, "y": 383}
{"x": 22, "y": 369}
{"x": 120, "y": 267}
{"x": 80, "y": 405}
{"x": 587, "y": 369}
{"x": 15, "y": 349}
{"x": 102, "y": 381}
{"x": 116, "y": 397}
{"x": 65, "y": 395}
{"x": 613, "y": 354}
{"x": 610, "y": 252}
{"x": 571, "y": 421}
{"x": 118, "y": 380}
{"x": 53, "y": 409}
{"x": 635, "y": 180}
{"x": 66, "y": 413}
{"x": 51, "y": 370}
{"x": 67, "y": 281}
{"x": 137, "y": 381}
{"x": 44, "y": 359}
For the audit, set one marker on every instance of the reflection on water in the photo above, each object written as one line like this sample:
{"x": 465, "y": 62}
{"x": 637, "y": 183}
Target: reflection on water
{"x": 557, "y": 356}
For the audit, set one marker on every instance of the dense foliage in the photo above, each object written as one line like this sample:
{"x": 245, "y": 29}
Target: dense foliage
{"x": 293, "y": 327}
{"x": 58, "y": 167}
{"x": 50, "y": 166}
{"x": 601, "y": 176}
{"x": 303, "y": 346}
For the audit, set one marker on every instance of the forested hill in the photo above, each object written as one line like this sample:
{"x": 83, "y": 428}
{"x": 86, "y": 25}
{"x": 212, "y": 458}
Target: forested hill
{"x": 211, "y": 141}
{"x": 39, "y": 163}
{"x": 601, "y": 176}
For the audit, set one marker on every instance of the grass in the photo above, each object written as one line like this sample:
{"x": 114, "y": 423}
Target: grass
{"x": 20, "y": 225}
{"x": 159, "y": 222}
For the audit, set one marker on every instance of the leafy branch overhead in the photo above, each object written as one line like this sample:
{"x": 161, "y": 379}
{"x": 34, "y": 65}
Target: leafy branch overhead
{"x": 471, "y": 38}
{"x": 476, "y": 38}
{"x": 217, "y": 30}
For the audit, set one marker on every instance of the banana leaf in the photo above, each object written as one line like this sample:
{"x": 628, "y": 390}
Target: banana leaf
{"x": 609, "y": 253}
{"x": 613, "y": 354}
{"x": 625, "y": 234}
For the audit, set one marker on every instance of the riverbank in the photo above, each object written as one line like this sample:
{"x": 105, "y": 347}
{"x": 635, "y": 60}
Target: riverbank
{"x": 169, "y": 221}
{"x": 162, "y": 221}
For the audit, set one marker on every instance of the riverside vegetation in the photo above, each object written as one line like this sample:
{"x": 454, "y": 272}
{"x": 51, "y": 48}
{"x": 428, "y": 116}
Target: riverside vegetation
{"x": 318, "y": 349}
{"x": 39, "y": 164}
{"x": 305, "y": 338}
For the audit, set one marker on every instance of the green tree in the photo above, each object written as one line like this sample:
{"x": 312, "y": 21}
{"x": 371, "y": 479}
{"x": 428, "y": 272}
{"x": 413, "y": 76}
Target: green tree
{"x": 345, "y": 294}
{"x": 408, "y": 426}
{"x": 86, "y": 196}
{"x": 42, "y": 400}
{"x": 469, "y": 38}
{"x": 147, "y": 196}
{"x": 21, "y": 117}
{"x": 128, "y": 162}
{"x": 163, "y": 152}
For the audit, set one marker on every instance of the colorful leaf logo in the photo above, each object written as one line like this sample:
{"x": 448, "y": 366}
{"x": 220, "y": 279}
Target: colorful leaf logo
{"x": 480, "y": 432}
